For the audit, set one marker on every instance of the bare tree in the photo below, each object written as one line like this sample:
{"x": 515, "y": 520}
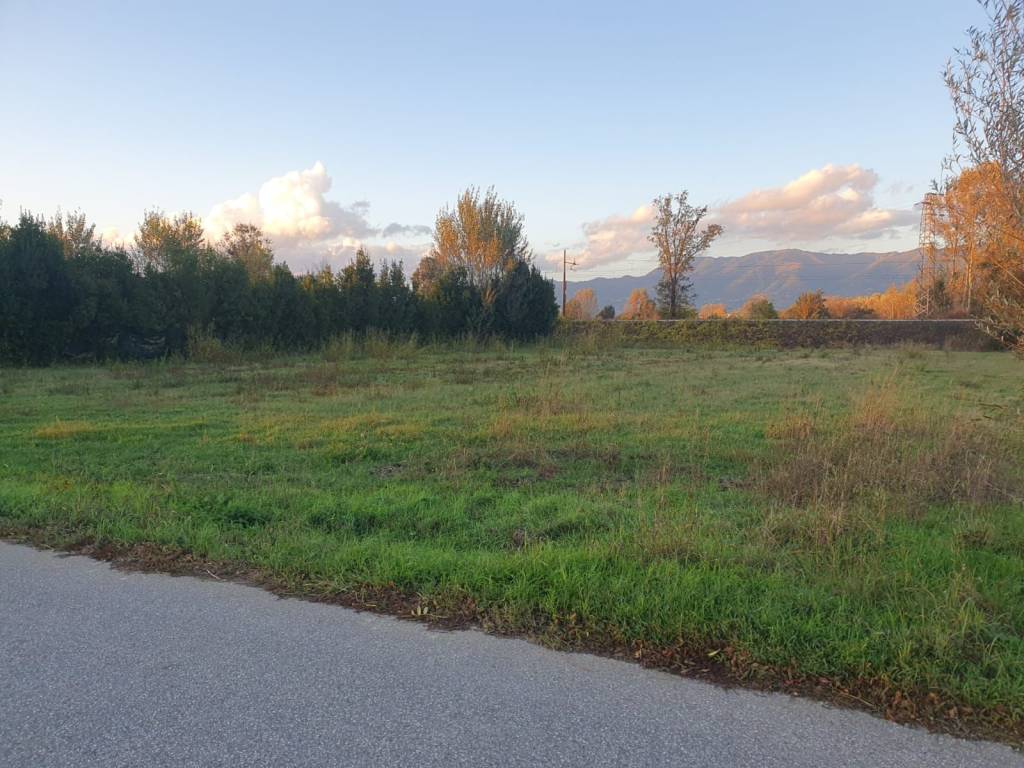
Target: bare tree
{"x": 679, "y": 239}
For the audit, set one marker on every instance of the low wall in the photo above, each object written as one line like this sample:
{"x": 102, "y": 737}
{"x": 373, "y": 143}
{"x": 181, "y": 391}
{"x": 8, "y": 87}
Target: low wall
{"x": 947, "y": 334}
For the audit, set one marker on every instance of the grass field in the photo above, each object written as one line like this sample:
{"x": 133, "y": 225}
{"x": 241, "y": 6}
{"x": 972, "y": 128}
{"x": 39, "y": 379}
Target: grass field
{"x": 847, "y": 519}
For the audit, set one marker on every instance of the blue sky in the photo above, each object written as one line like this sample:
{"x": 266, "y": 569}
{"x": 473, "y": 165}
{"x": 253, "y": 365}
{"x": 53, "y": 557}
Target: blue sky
{"x": 580, "y": 112}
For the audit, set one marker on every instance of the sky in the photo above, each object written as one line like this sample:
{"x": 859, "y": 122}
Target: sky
{"x": 799, "y": 124}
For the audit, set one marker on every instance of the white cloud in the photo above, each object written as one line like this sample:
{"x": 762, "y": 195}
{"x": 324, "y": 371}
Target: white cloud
{"x": 114, "y": 237}
{"x": 306, "y": 257}
{"x": 292, "y": 208}
{"x": 611, "y": 239}
{"x": 307, "y": 229}
{"x": 833, "y": 201}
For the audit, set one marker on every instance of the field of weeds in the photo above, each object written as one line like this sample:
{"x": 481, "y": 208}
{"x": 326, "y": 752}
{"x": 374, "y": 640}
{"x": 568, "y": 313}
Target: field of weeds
{"x": 847, "y": 523}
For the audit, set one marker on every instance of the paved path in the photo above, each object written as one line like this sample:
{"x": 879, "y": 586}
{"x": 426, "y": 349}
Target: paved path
{"x": 104, "y": 668}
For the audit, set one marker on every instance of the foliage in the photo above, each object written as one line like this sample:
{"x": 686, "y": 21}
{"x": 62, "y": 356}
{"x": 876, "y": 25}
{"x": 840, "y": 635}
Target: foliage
{"x": 677, "y": 235}
{"x": 75, "y": 234}
{"x": 808, "y": 306}
{"x": 757, "y": 308}
{"x": 478, "y": 278}
{"x": 63, "y": 294}
{"x": 639, "y": 306}
{"x": 712, "y": 312}
{"x": 894, "y": 303}
{"x": 247, "y": 245}
{"x": 848, "y": 308}
{"x": 36, "y": 295}
{"x": 736, "y": 333}
{"x": 168, "y": 244}
{"x": 582, "y": 306}
{"x": 524, "y": 305}
{"x": 482, "y": 234}
{"x": 606, "y": 313}
{"x": 986, "y": 83}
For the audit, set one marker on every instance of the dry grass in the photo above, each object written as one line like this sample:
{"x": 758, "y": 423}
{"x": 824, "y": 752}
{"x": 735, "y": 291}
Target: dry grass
{"x": 660, "y": 497}
{"x": 886, "y": 456}
{"x": 64, "y": 430}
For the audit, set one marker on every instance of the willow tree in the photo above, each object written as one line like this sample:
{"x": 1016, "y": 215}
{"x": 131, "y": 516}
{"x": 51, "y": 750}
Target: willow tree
{"x": 679, "y": 238}
{"x": 482, "y": 234}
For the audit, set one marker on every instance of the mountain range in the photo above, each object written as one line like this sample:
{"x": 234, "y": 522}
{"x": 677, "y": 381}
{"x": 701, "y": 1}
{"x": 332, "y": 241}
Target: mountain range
{"x": 780, "y": 275}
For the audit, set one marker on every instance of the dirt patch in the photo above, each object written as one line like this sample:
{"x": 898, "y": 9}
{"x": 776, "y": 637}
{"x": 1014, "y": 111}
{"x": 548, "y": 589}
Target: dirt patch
{"x": 720, "y": 664}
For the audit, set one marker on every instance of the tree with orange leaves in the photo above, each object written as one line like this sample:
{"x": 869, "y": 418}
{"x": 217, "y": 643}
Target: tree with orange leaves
{"x": 639, "y": 306}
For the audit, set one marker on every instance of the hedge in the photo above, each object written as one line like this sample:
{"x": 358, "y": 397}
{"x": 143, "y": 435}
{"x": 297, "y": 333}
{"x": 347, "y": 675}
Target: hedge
{"x": 947, "y": 334}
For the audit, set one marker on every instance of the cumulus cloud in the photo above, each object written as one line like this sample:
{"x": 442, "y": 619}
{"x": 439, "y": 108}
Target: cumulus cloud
{"x": 293, "y": 208}
{"x": 833, "y": 201}
{"x": 611, "y": 239}
{"x": 115, "y": 237}
{"x": 308, "y": 229}
{"x": 306, "y": 257}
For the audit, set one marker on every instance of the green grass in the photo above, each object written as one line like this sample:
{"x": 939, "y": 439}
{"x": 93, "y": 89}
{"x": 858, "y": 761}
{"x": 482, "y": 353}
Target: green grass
{"x": 846, "y": 514}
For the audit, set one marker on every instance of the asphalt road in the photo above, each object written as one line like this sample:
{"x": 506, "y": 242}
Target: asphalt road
{"x": 104, "y": 668}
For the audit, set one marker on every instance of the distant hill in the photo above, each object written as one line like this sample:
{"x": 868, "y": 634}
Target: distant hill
{"x": 780, "y": 275}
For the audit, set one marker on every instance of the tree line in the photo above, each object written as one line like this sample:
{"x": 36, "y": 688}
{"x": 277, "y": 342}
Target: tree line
{"x": 64, "y": 294}
{"x": 895, "y": 303}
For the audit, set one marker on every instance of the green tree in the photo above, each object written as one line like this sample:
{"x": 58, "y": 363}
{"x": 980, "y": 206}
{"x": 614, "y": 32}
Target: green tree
{"x": 107, "y": 303}
{"x": 452, "y": 305}
{"x": 327, "y": 302}
{"x": 36, "y": 296}
{"x": 360, "y": 293}
{"x": 524, "y": 304}
{"x": 397, "y": 300}
{"x": 679, "y": 238}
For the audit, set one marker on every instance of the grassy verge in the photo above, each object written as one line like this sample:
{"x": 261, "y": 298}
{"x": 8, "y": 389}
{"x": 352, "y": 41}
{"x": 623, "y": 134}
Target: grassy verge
{"x": 844, "y": 522}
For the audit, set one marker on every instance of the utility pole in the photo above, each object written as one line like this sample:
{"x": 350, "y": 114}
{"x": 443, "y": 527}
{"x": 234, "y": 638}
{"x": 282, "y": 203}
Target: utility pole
{"x": 564, "y": 263}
